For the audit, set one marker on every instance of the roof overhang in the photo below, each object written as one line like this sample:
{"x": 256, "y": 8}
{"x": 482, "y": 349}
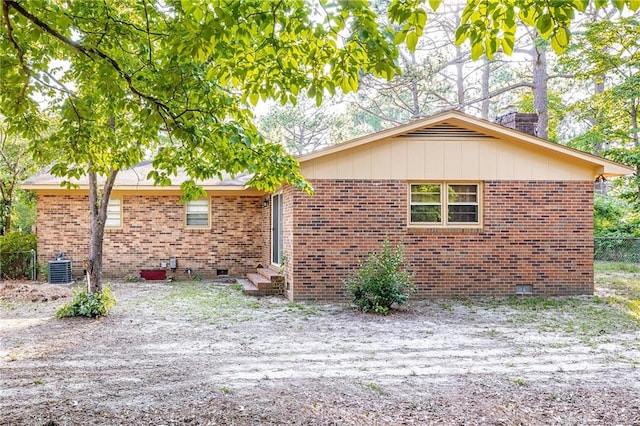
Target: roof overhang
{"x": 141, "y": 190}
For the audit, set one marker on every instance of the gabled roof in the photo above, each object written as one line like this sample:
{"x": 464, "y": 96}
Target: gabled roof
{"x": 464, "y": 121}
{"x": 135, "y": 178}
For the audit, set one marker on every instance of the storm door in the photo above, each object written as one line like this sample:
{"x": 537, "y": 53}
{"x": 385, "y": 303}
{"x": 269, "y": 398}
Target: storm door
{"x": 276, "y": 229}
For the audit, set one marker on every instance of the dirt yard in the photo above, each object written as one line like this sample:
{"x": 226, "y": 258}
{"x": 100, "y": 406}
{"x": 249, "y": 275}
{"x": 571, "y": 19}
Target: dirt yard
{"x": 203, "y": 354}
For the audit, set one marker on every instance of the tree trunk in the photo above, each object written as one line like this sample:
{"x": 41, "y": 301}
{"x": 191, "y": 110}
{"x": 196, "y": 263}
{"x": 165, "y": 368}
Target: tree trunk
{"x": 98, "y": 207}
{"x": 416, "y": 112}
{"x": 6, "y": 227}
{"x": 486, "y": 70}
{"x": 598, "y": 88}
{"x": 540, "y": 97}
{"x": 460, "y": 79}
{"x": 7, "y": 205}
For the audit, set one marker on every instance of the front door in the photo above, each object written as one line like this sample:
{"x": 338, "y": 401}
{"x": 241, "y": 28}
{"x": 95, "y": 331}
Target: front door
{"x": 276, "y": 229}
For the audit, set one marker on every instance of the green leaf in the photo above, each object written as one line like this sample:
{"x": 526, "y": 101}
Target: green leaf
{"x": 434, "y": 4}
{"x": 560, "y": 40}
{"x": 461, "y": 35}
{"x": 412, "y": 41}
{"x": 476, "y": 50}
{"x": 399, "y": 37}
{"x": 544, "y": 25}
{"x": 507, "y": 45}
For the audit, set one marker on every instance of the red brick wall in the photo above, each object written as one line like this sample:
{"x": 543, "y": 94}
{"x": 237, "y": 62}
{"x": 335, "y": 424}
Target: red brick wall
{"x": 153, "y": 231}
{"x": 535, "y": 233}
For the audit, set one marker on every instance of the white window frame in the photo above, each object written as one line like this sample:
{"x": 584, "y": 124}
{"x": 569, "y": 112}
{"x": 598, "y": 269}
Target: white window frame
{"x": 196, "y": 208}
{"x": 444, "y": 205}
{"x": 114, "y": 212}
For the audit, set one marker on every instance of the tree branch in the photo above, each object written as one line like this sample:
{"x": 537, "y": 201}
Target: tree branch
{"x": 89, "y": 51}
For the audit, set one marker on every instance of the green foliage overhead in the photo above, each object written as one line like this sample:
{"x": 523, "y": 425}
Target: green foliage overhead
{"x": 123, "y": 79}
{"x": 381, "y": 281}
{"x": 92, "y": 305}
{"x": 490, "y": 25}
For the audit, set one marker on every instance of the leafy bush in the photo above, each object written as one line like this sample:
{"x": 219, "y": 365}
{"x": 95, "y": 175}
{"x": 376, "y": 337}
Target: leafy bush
{"x": 381, "y": 281}
{"x": 614, "y": 217}
{"x": 15, "y": 254}
{"x": 88, "y": 305}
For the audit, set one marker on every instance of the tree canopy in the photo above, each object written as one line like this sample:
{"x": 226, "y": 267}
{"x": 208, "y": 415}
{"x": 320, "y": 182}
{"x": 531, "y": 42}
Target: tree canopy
{"x": 116, "y": 76}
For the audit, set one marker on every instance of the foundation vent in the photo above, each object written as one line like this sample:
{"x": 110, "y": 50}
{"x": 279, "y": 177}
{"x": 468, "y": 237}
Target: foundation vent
{"x": 524, "y": 290}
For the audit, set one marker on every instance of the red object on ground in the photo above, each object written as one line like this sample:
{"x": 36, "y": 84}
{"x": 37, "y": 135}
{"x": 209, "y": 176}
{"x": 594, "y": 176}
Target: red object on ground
{"x": 153, "y": 274}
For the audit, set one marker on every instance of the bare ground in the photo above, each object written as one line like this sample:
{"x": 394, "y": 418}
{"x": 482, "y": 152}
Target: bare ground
{"x": 199, "y": 353}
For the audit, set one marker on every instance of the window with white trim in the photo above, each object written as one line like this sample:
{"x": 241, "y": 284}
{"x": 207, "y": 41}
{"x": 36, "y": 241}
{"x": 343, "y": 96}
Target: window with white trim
{"x": 197, "y": 213}
{"x": 114, "y": 213}
{"x": 444, "y": 204}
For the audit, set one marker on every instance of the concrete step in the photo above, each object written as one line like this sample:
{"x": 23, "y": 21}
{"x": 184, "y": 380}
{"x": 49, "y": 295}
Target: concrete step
{"x": 248, "y": 287}
{"x": 268, "y": 273}
{"x": 259, "y": 281}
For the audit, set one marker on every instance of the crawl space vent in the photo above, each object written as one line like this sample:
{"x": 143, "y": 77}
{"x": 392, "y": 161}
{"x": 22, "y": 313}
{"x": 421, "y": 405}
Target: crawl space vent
{"x": 524, "y": 289}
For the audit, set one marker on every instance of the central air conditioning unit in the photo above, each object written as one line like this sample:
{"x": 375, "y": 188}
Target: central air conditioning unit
{"x": 60, "y": 272}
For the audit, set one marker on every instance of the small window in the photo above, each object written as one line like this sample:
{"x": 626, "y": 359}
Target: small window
{"x": 444, "y": 204}
{"x": 426, "y": 203}
{"x": 462, "y": 203}
{"x": 114, "y": 213}
{"x": 197, "y": 213}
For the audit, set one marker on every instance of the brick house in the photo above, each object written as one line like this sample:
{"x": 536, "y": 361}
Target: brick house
{"x": 481, "y": 209}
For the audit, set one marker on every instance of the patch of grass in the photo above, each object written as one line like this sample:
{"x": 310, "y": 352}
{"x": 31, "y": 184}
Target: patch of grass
{"x": 303, "y": 308}
{"x": 519, "y": 381}
{"x": 583, "y": 317}
{"x": 38, "y": 381}
{"x": 538, "y": 303}
{"x": 463, "y": 300}
{"x": 632, "y": 306}
{"x": 205, "y": 301}
{"x": 375, "y": 387}
{"x": 626, "y": 286}
{"x": 132, "y": 279}
{"x": 616, "y": 267}
{"x": 446, "y": 306}
{"x": 226, "y": 390}
{"x": 5, "y": 304}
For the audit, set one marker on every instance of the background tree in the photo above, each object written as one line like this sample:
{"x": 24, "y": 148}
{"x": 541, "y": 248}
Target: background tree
{"x": 15, "y": 165}
{"x": 606, "y": 56}
{"x": 303, "y": 127}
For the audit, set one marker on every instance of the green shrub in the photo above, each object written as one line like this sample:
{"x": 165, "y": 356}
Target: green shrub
{"x": 381, "y": 281}
{"x": 88, "y": 305}
{"x": 15, "y": 256}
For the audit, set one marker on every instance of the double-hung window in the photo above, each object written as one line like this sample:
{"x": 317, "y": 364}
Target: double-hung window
{"x": 197, "y": 213}
{"x": 114, "y": 213}
{"x": 444, "y": 204}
